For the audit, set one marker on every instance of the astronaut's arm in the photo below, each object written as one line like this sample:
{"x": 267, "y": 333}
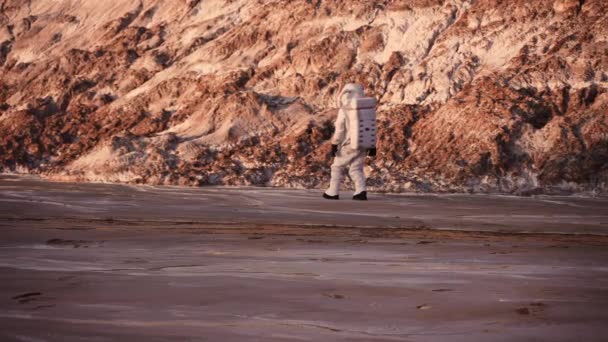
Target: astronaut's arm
{"x": 372, "y": 152}
{"x": 340, "y": 132}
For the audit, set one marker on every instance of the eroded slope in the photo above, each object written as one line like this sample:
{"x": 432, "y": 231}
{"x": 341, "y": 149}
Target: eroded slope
{"x": 475, "y": 95}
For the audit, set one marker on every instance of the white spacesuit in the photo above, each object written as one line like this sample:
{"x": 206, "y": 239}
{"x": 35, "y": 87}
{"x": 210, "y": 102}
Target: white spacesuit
{"x": 345, "y": 155}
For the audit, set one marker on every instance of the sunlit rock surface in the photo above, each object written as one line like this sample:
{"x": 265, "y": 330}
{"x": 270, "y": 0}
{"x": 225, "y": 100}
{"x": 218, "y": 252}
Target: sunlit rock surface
{"x": 474, "y": 95}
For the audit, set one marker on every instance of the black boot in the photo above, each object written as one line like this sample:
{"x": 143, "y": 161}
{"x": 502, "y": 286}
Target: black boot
{"x": 326, "y": 196}
{"x": 362, "y": 196}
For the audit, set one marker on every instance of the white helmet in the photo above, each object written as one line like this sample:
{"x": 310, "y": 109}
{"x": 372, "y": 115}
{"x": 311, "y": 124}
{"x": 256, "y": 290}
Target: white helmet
{"x": 350, "y": 91}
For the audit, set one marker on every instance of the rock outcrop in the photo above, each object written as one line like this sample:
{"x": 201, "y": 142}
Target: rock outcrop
{"x": 483, "y": 96}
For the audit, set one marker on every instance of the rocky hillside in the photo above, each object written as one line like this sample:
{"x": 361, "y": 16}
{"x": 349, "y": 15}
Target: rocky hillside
{"x": 490, "y": 95}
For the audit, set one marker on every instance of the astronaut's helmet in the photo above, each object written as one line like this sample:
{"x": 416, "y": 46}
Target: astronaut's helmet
{"x": 350, "y": 91}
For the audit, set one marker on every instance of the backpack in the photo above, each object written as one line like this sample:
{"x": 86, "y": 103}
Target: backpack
{"x": 362, "y": 119}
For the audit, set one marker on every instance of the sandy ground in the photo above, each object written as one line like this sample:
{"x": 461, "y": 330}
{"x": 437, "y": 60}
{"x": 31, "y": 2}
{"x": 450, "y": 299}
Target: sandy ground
{"x": 99, "y": 262}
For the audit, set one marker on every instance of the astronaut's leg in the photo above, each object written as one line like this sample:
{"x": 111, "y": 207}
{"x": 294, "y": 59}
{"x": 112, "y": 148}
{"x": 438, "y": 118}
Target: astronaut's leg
{"x": 343, "y": 158}
{"x": 355, "y": 171}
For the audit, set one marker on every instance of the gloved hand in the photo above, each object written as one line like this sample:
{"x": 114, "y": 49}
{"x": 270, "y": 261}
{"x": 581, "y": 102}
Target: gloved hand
{"x": 334, "y": 150}
{"x": 371, "y": 152}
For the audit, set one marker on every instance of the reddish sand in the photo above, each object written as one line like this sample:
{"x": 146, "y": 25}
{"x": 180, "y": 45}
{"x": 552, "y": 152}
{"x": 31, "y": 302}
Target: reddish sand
{"x": 106, "y": 262}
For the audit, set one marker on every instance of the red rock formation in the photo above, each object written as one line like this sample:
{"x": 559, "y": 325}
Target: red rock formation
{"x": 474, "y": 95}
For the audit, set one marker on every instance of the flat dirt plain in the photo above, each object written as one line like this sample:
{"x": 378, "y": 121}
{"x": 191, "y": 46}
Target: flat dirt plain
{"x": 99, "y": 262}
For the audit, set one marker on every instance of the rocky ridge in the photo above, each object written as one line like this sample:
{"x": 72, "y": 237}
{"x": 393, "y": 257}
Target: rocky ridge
{"x": 481, "y": 96}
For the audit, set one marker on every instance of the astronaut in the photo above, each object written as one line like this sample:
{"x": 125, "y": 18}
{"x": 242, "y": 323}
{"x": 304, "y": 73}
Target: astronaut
{"x": 344, "y": 155}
